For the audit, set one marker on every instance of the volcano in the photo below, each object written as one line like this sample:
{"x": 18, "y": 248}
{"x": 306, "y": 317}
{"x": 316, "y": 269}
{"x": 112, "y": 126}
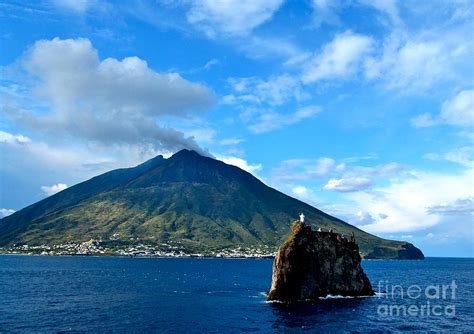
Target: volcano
{"x": 195, "y": 201}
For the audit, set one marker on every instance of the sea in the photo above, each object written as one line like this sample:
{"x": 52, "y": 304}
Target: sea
{"x": 60, "y": 294}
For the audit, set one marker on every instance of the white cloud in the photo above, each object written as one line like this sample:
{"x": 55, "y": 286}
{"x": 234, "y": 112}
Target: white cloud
{"x": 233, "y": 17}
{"x": 463, "y": 156}
{"x": 412, "y": 204}
{"x": 344, "y": 177}
{"x": 241, "y": 163}
{"x": 407, "y": 201}
{"x": 211, "y": 63}
{"x": 364, "y": 218}
{"x": 207, "y": 66}
{"x": 326, "y": 11}
{"x": 298, "y": 58}
{"x": 358, "y": 178}
{"x": 457, "y": 111}
{"x": 110, "y": 101}
{"x": 411, "y": 61}
{"x": 348, "y": 184}
{"x": 42, "y": 155}
{"x": 260, "y": 121}
{"x": 6, "y": 212}
{"x": 71, "y": 72}
{"x": 300, "y": 191}
{"x": 460, "y": 207}
{"x": 274, "y": 91}
{"x": 339, "y": 59}
{"x": 414, "y": 62}
{"x": 9, "y": 138}
{"x": 261, "y": 102}
{"x": 53, "y": 189}
{"x": 323, "y": 166}
{"x": 31, "y": 163}
{"x": 202, "y": 135}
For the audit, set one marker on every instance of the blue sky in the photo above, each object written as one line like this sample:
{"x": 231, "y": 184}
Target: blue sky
{"x": 364, "y": 109}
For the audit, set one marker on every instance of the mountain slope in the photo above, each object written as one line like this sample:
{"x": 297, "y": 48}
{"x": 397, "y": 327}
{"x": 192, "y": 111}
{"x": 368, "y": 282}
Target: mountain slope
{"x": 196, "y": 201}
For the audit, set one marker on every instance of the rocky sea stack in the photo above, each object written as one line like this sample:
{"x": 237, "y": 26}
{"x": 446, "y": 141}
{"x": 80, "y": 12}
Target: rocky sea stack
{"x": 314, "y": 264}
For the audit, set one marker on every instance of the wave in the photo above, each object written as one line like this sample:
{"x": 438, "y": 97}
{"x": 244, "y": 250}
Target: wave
{"x": 328, "y": 297}
{"x": 343, "y": 297}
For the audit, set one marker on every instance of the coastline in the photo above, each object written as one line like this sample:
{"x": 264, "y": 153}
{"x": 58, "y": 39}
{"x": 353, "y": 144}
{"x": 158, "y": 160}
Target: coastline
{"x": 193, "y": 256}
{"x": 138, "y": 252}
{"x": 143, "y": 249}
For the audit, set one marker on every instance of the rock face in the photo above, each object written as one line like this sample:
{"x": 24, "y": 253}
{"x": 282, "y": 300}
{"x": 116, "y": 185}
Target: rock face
{"x": 313, "y": 264}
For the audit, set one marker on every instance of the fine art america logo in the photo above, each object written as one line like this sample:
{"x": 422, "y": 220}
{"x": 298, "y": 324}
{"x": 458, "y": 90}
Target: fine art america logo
{"x": 417, "y": 301}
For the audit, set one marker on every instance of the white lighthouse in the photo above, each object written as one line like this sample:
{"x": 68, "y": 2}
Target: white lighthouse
{"x": 302, "y": 217}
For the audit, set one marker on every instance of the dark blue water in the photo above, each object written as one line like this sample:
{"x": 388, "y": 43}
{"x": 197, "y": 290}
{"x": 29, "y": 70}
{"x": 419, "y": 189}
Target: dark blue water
{"x": 112, "y": 294}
